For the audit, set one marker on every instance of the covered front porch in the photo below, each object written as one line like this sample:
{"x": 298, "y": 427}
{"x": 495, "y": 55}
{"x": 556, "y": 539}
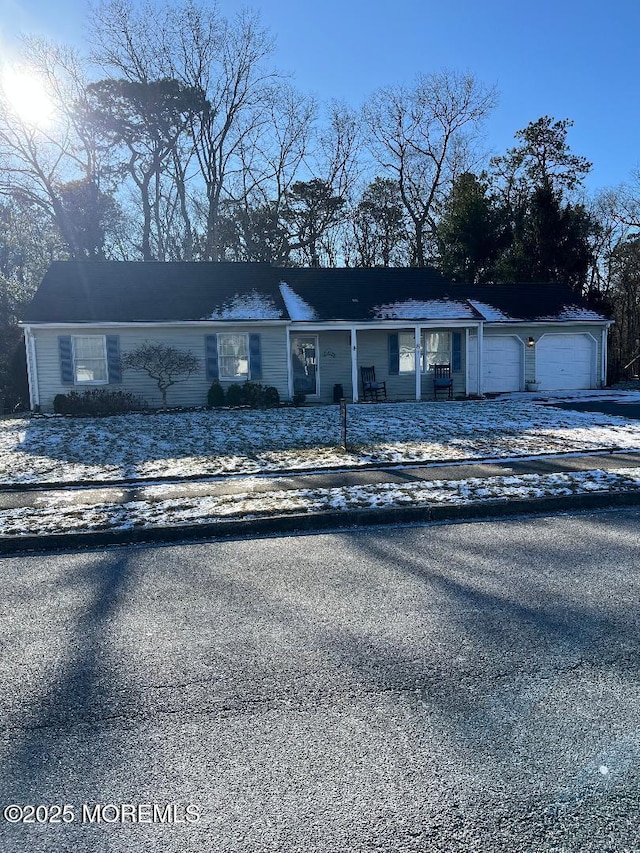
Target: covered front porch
{"x": 323, "y": 359}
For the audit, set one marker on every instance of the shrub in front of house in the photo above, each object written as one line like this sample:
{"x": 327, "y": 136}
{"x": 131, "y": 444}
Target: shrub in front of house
{"x": 299, "y": 399}
{"x": 251, "y": 395}
{"x": 234, "y": 396}
{"x": 271, "y": 398}
{"x": 215, "y": 396}
{"x": 97, "y": 402}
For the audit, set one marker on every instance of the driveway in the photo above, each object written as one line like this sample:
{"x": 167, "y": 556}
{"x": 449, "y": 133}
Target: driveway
{"x": 618, "y": 410}
{"x": 471, "y": 687}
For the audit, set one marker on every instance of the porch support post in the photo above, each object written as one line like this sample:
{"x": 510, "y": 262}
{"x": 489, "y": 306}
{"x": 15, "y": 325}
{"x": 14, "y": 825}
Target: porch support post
{"x": 603, "y": 345}
{"x": 466, "y": 362}
{"x": 417, "y": 362}
{"x": 480, "y": 358}
{"x": 354, "y": 364}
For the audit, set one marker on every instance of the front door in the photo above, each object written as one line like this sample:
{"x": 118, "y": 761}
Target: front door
{"x": 304, "y": 361}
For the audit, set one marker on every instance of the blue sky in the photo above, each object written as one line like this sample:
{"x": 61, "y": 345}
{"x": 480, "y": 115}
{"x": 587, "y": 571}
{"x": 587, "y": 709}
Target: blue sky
{"x": 575, "y": 59}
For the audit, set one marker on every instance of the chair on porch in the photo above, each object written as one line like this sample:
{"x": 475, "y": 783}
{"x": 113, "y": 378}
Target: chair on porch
{"x": 371, "y": 389}
{"x": 442, "y": 380}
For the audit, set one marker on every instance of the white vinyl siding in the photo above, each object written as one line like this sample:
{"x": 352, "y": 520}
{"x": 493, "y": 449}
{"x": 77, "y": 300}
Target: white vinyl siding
{"x": 192, "y": 391}
{"x": 89, "y": 359}
{"x": 333, "y": 355}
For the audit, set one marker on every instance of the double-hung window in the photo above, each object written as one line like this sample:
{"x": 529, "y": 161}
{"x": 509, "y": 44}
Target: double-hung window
{"x": 435, "y": 348}
{"x": 89, "y": 359}
{"x": 233, "y": 356}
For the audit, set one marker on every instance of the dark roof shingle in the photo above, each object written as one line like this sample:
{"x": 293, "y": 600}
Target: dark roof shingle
{"x": 117, "y": 291}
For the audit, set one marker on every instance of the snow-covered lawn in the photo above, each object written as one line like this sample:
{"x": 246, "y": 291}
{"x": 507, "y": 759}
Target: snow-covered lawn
{"x": 216, "y": 443}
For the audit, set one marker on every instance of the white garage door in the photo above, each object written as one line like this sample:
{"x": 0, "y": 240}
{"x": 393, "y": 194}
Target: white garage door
{"x": 565, "y": 362}
{"x": 502, "y": 364}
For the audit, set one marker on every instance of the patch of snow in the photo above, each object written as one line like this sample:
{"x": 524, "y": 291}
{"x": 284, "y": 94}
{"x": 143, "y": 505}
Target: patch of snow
{"x": 224, "y": 442}
{"x": 169, "y": 505}
{"x": 490, "y": 313}
{"x": 297, "y": 308}
{"x": 575, "y": 312}
{"x": 430, "y": 309}
{"x": 247, "y": 306}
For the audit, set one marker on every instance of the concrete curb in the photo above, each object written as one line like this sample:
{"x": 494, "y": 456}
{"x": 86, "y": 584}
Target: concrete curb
{"x": 314, "y": 523}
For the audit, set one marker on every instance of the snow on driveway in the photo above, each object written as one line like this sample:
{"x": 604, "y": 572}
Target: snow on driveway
{"x": 221, "y": 442}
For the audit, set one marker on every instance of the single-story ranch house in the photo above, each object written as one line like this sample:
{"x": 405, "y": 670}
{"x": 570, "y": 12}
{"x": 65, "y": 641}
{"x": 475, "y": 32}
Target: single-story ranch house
{"x": 305, "y": 330}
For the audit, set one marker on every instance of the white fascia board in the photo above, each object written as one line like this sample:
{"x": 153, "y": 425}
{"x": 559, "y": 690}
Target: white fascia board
{"x": 391, "y": 325}
{"x": 172, "y": 324}
{"x": 543, "y": 323}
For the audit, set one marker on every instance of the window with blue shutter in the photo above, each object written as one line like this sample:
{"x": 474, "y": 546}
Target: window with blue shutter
{"x": 456, "y": 351}
{"x": 211, "y": 356}
{"x": 255, "y": 357}
{"x": 66, "y": 359}
{"x": 114, "y": 368}
{"x": 394, "y": 354}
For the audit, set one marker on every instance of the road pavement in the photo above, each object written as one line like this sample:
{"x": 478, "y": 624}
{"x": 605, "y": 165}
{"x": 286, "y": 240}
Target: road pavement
{"x": 467, "y": 687}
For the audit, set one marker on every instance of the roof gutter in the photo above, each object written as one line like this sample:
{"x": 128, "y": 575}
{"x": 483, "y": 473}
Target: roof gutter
{"x": 150, "y": 324}
{"x": 539, "y": 323}
{"x": 374, "y": 325}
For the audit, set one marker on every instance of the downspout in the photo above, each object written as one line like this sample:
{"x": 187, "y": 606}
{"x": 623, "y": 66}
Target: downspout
{"x": 603, "y": 358}
{"x": 417, "y": 362}
{"x": 354, "y": 364}
{"x": 466, "y": 362}
{"x": 287, "y": 333}
{"x": 480, "y": 358}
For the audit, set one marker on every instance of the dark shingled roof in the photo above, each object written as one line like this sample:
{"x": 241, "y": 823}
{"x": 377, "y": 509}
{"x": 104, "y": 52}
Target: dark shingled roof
{"x": 347, "y": 293}
{"x": 76, "y": 292}
{"x": 127, "y": 291}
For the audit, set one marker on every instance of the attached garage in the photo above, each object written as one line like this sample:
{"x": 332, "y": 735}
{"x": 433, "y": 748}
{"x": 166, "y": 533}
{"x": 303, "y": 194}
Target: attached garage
{"x": 566, "y": 362}
{"x": 502, "y": 364}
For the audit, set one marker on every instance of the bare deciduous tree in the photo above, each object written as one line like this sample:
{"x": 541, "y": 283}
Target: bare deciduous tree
{"x": 224, "y": 60}
{"x": 37, "y": 158}
{"x": 165, "y": 364}
{"x": 414, "y": 133}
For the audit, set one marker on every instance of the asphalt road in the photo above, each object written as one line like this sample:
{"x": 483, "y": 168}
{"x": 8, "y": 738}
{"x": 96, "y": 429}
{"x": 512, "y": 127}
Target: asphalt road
{"x": 432, "y": 688}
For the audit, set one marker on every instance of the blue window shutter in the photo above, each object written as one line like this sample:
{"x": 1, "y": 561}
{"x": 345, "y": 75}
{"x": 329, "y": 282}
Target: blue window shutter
{"x": 66, "y": 359}
{"x": 113, "y": 359}
{"x": 394, "y": 354}
{"x": 255, "y": 357}
{"x": 211, "y": 356}
{"x": 456, "y": 351}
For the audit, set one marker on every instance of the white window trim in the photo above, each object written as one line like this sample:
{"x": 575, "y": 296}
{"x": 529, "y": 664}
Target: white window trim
{"x": 77, "y": 381}
{"x": 239, "y": 377}
{"x": 424, "y": 370}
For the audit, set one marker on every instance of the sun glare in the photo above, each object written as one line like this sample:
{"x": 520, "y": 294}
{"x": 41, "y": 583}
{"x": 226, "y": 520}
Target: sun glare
{"x": 26, "y": 96}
